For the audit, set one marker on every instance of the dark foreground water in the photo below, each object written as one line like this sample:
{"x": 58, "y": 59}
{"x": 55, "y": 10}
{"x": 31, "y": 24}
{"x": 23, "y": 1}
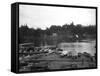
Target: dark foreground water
{"x": 52, "y": 61}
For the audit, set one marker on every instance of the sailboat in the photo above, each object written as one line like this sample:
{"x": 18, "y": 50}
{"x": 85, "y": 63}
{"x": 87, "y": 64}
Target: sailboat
{"x": 77, "y": 36}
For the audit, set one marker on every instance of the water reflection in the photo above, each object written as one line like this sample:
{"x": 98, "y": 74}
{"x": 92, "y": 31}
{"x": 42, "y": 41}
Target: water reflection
{"x": 81, "y": 47}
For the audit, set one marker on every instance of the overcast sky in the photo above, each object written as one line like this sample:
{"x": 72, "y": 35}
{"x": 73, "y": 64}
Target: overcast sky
{"x": 45, "y": 16}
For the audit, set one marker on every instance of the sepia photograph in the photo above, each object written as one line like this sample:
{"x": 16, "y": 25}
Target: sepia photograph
{"x": 55, "y": 38}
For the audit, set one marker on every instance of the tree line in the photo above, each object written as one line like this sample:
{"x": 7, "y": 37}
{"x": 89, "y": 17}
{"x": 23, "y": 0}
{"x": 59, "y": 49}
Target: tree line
{"x": 56, "y": 34}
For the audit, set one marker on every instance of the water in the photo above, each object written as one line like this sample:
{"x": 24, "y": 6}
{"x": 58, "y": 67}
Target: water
{"x": 81, "y": 47}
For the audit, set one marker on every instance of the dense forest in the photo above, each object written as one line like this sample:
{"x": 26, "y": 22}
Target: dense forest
{"x": 56, "y": 34}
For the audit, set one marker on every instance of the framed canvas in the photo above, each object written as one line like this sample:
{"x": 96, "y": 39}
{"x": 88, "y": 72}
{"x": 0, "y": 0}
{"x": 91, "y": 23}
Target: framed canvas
{"x": 53, "y": 37}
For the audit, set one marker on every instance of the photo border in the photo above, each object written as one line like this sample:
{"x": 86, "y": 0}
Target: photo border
{"x": 52, "y": 5}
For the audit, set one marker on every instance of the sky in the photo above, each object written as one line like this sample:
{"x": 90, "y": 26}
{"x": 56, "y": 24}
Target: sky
{"x": 45, "y": 16}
